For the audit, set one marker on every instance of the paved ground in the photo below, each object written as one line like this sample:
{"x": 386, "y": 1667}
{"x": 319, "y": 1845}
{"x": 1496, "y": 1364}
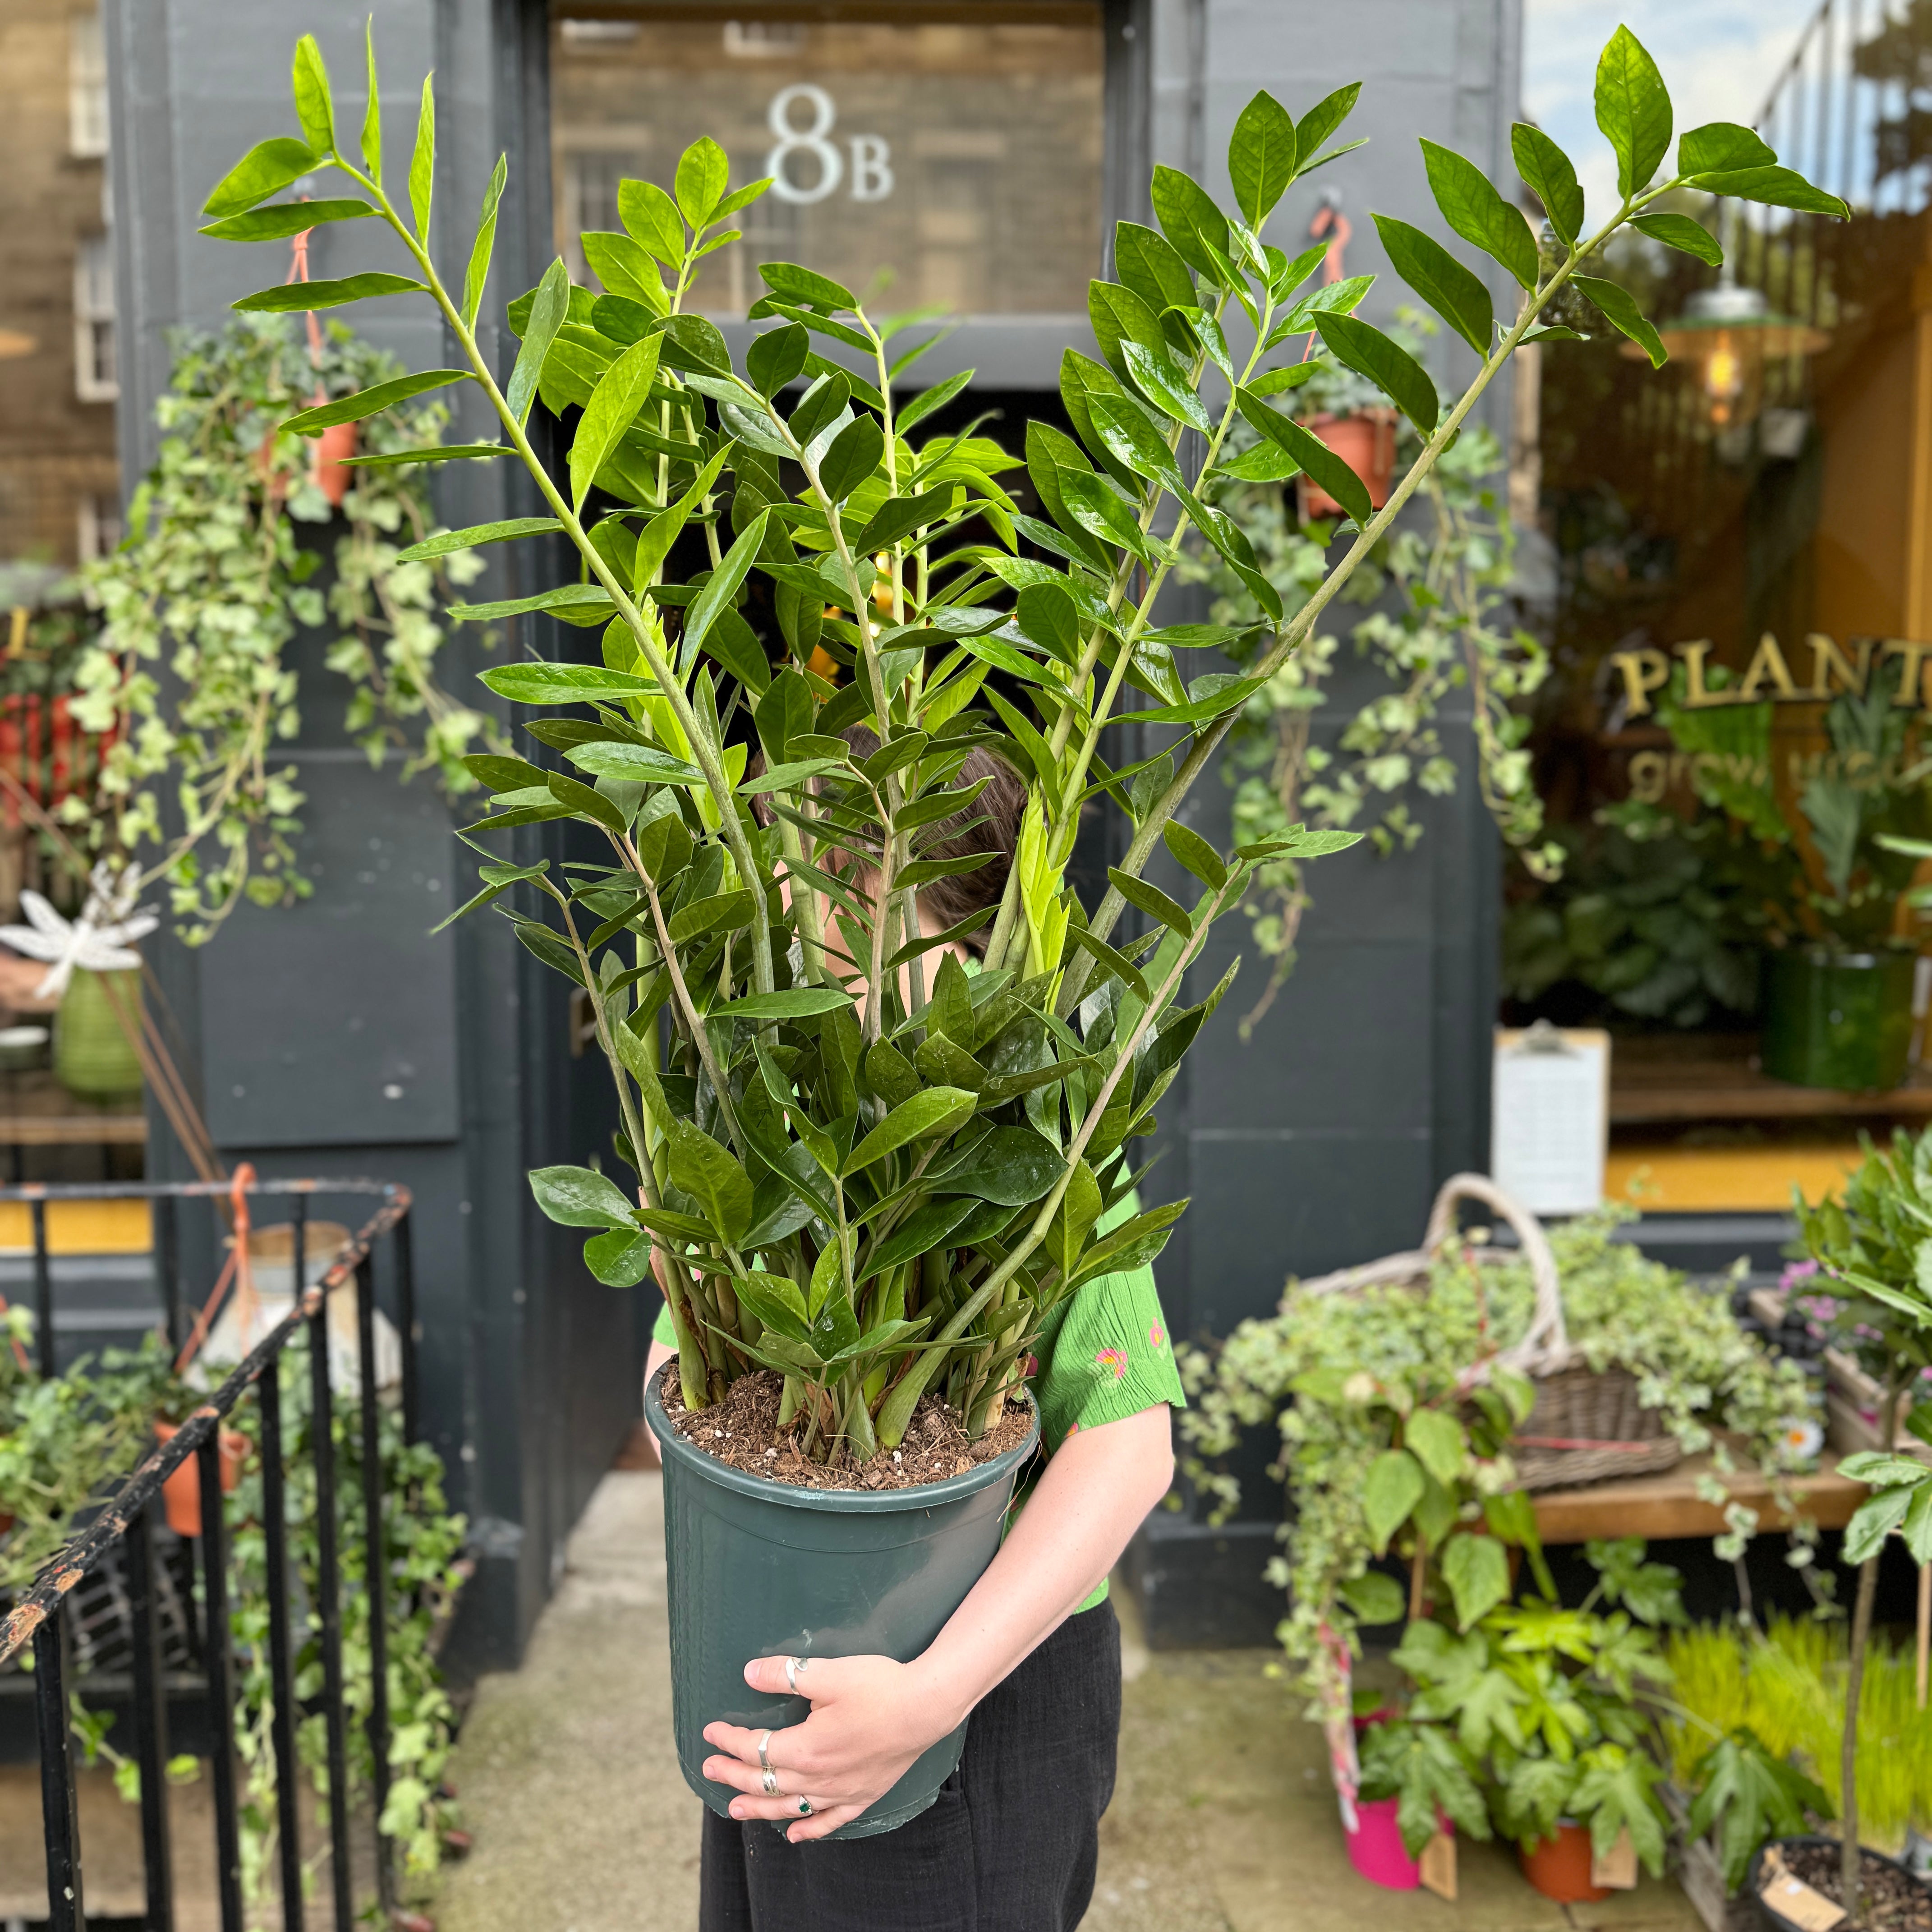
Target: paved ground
{"x": 1222, "y": 1822}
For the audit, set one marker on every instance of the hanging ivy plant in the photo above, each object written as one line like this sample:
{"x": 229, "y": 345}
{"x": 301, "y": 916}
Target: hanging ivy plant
{"x": 234, "y": 546}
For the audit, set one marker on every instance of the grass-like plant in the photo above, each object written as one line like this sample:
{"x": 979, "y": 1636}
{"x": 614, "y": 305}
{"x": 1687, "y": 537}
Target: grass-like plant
{"x": 875, "y": 1187}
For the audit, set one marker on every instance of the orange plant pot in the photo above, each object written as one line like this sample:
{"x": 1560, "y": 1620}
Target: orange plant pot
{"x": 1365, "y": 442}
{"x": 1559, "y": 1867}
{"x": 180, "y": 1493}
{"x": 325, "y": 468}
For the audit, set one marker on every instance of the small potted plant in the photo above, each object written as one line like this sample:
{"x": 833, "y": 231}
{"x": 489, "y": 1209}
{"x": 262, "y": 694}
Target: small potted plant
{"x": 1352, "y": 417}
{"x": 873, "y": 1196}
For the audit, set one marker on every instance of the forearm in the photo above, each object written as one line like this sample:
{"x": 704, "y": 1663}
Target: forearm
{"x": 1095, "y": 1493}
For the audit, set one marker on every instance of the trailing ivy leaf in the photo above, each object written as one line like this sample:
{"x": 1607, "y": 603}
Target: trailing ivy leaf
{"x": 713, "y": 1177}
{"x": 1472, "y": 206}
{"x": 266, "y": 168}
{"x": 1632, "y": 110}
{"x": 1721, "y": 147}
{"x": 1374, "y": 1598}
{"x": 1548, "y": 171}
{"x": 1453, "y": 292}
{"x": 281, "y": 219}
{"x": 1261, "y": 157}
{"x": 1680, "y": 232}
{"x": 1392, "y": 1488}
{"x": 548, "y": 312}
{"x": 578, "y": 1197}
{"x": 373, "y": 400}
{"x": 1623, "y": 314}
{"x": 1385, "y": 363}
{"x": 286, "y": 297}
{"x": 478, "y": 273}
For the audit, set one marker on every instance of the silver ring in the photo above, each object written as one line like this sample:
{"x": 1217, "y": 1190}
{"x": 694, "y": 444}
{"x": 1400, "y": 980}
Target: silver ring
{"x": 764, "y": 1745}
{"x": 794, "y": 1665}
{"x": 770, "y": 1781}
{"x": 804, "y": 1807}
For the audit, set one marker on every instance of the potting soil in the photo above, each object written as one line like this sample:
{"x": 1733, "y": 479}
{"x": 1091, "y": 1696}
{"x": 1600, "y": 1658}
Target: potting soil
{"x": 1894, "y": 1900}
{"x": 743, "y": 1431}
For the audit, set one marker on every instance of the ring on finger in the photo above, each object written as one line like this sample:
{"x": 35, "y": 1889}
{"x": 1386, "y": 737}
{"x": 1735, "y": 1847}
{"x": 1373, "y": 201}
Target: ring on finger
{"x": 793, "y": 1667}
{"x": 804, "y": 1807}
{"x": 769, "y": 1779}
{"x": 764, "y": 1746}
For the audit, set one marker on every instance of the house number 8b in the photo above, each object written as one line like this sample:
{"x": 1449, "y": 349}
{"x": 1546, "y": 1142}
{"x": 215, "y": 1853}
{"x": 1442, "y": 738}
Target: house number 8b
{"x": 871, "y": 159}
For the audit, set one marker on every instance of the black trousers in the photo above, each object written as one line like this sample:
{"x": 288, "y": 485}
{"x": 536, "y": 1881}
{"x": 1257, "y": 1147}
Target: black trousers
{"x": 1010, "y": 1846}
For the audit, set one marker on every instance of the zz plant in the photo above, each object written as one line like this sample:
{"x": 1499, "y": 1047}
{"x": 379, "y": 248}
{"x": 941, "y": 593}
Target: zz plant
{"x": 876, "y": 1190}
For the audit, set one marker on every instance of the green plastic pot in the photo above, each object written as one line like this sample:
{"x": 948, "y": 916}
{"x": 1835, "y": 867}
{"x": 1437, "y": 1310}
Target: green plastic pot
{"x": 1838, "y": 1019}
{"x": 93, "y": 1058}
{"x": 761, "y": 1569}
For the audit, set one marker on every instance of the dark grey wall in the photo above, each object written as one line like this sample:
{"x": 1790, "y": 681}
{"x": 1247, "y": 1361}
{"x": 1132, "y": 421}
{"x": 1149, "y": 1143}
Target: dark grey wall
{"x": 1320, "y": 1140}
{"x": 338, "y": 1036}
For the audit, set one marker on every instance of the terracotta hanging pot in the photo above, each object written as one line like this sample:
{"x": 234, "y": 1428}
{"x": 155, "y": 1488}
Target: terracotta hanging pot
{"x": 1365, "y": 442}
{"x": 326, "y": 469}
{"x": 180, "y": 1493}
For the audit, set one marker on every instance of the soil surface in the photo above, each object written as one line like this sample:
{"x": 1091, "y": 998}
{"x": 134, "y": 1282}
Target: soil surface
{"x": 1895, "y": 1901}
{"x": 743, "y": 1431}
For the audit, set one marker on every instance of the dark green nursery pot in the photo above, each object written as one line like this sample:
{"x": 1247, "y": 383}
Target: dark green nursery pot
{"x": 762, "y": 1569}
{"x": 1838, "y": 1019}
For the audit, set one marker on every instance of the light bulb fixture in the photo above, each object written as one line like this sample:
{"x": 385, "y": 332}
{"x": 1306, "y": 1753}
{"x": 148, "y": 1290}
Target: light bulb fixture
{"x": 1729, "y": 335}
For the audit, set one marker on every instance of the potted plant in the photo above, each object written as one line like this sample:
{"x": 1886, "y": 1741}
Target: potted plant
{"x": 1838, "y": 978}
{"x": 870, "y": 1195}
{"x": 1873, "y": 1243}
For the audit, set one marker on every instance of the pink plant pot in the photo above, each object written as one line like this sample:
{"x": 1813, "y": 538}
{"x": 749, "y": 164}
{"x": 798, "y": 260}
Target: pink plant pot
{"x": 1375, "y": 1848}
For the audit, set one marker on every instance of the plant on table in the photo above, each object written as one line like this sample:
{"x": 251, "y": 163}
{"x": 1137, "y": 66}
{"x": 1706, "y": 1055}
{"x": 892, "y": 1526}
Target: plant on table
{"x": 1873, "y": 1245}
{"x": 877, "y": 1197}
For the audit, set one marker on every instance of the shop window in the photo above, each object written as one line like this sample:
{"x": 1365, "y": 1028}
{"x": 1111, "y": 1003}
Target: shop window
{"x": 1731, "y": 559}
{"x": 957, "y": 147}
{"x": 94, "y": 378}
{"x": 86, "y": 87}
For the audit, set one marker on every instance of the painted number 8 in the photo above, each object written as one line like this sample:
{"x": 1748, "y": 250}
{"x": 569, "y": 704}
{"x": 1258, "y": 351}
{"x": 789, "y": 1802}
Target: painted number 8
{"x": 872, "y": 158}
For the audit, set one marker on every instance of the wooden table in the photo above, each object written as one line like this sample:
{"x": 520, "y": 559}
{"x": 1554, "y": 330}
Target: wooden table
{"x": 1667, "y": 1504}
{"x": 1659, "y": 1079}
{"x": 37, "y": 1110}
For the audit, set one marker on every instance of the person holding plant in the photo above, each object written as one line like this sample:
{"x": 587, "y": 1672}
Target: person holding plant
{"x": 1033, "y": 1655}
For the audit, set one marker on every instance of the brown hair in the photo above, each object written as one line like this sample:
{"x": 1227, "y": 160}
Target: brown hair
{"x": 991, "y": 823}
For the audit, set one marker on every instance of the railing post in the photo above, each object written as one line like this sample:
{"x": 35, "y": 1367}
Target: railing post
{"x": 43, "y": 1289}
{"x": 60, "y": 1816}
{"x": 151, "y": 1725}
{"x": 216, "y": 1657}
{"x": 329, "y": 1591}
{"x": 167, "y": 1269}
{"x": 376, "y": 1578}
{"x": 281, "y": 1690}
{"x": 406, "y": 1320}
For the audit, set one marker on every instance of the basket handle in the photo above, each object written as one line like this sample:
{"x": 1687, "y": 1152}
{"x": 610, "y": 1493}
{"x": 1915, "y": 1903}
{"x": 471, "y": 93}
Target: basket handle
{"x": 1545, "y": 1347}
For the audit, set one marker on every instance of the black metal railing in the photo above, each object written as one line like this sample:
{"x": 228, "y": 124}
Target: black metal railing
{"x": 121, "y": 1527}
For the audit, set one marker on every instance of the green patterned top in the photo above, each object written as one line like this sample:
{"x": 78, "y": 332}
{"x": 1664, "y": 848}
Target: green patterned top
{"x": 1104, "y": 1354}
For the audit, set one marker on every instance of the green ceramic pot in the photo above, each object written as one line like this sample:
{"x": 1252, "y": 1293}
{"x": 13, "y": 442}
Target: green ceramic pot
{"x": 93, "y": 1057}
{"x": 1838, "y": 1019}
{"x": 761, "y": 1569}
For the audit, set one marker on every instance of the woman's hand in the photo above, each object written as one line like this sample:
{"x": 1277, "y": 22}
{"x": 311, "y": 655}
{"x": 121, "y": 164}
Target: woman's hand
{"x": 870, "y": 1718}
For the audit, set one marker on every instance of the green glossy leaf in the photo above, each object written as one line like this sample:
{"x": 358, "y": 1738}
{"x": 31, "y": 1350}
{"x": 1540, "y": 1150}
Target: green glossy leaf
{"x": 898, "y": 516}
{"x": 626, "y": 269}
{"x": 548, "y": 311}
{"x": 1547, "y": 170}
{"x": 854, "y": 455}
{"x": 481, "y": 250}
{"x": 1722, "y": 147}
{"x": 585, "y": 802}
{"x": 1476, "y": 1568}
{"x": 1152, "y": 900}
{"x": 799, "y": 1002}
{"x": 1190, "y": 850}
{"x": 286, "y": 298}
{"x": 540, "y": 683}
{"x": 1873, "y": 1521}
{"x": 1632, "y": 110}
{"x": 1261, "y": 157}
{"x": 1374, "y": 1598}
{"x": 1313, "y": 455}
{"x": 314, "y": 109}
{"x": 422, "y": 159}
{"x": 1190, "y": 220}
{"x": 722, "y": 912}
{"x": 372, "y": 110}
{"x": 1313, "y": 131}
{"x": 446, "y": 543}
{"x": 1453, "y": 291}
{"x": 1010, "y": 1166}
{"x": 1124, "y": 431}
{"x": 621, "y": 1259}
{"x": 1159, "y": 376}
{"x": 573, "y": 602}
{"x": 266, "y": 168}
{"x": 1776, "y": 187}
{"x": 1150, "y": 264}
{"x": 1094, "y": 507}
{"x": 712, "y": 1176}
{"x": 281, "y": 219}
{"x": 1680, "y": 232}
{"x": 1472, "y": 206}
{"x": 1367, "y": 351}
{"x": 637, "y": 764}
{"x": 777, "y": 1301}
{"x": 1119, "y": 317}
{"x": 805, "y": 286}
{"x": 1390, "y": 1490}
{"x": 661, "y": 532}
{"x": 1623, "y": 314}
{"x": 652, "y": 217}
{"x": 722, "y": 588}
{"x": 613, "y": 408}
{"x": 453, "y": 452}
{"x": 578, "y": 1197}
{"x": 938, "y": 1111}
{"x": 372, "y": 401}
{"x": 704, "y": 173}
{"x": 919, "y": 407}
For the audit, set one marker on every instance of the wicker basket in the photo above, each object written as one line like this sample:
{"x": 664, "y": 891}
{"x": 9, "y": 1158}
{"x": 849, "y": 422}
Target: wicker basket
{"x": 1587, "y": 1426}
